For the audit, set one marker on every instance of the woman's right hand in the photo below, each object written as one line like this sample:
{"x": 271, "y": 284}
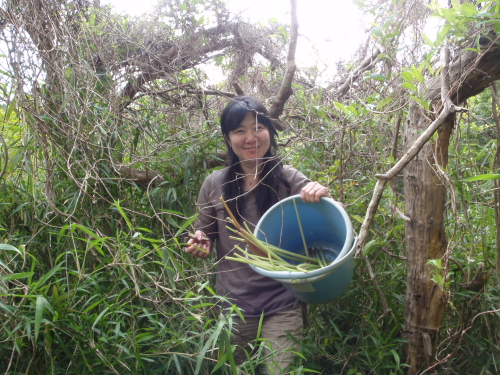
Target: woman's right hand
{"x": 199, "y": 246}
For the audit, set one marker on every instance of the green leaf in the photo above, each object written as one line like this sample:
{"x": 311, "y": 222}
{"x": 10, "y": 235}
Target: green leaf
{"x": 484, "y": 15}
{"x": 417, "y": 74}
{"x": 342, "y": 108}
{"x": 422, "y": 102}
{"x": 7, "y": 308}
{"x": 377, "y": 31}
{"x": 259, "y": 329}
{"x": 469, "y": 10}
{"x": 124, "y": 215}
{"x": 83, "y": 229}
{"x": 16, "y": 276}
{"x": 10, "y": 109}
{"x": 5, "y": 73}
{"x": 484, "y": 177}
{"x": 456, "y": 5}
{"x": 46, "y": 118}
{"x": 407, "y": 76}
{"x": 352, "y": 109}
{"x": 177, "y": 364}
{"x": 377, "y": 76}
{"x": 396, "y": 357}
{"x": 443, "y": 33}
{"x": 173, "y": 212}
{"x": 92, "y": 306}
{"x": 100, "y": 316}
{"x": 410, "y": 86}
{"x": 213, "y": 337}
{"x": 369, "y": 246}
{"x": 309, "y": 370}
{"x": 10, "y": 248}
{"x": 381, "y": 104}
{"x": 48, "y": 275}
{"x": 434, "y": 262}
{"x": 5, "y": 266}
{"x": 428, "y": 41}
{"x": 38, "y": 314}
{"x": 185, "y": 225}
{"x": 450, "y": 15}
{"x": 183, "y": 7}
{"x": 358, "y": 218}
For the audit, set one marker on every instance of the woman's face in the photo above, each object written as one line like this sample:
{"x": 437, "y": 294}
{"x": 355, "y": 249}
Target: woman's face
{"x": 250, "y": 141}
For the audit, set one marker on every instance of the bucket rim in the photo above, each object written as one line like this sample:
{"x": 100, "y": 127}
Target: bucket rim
{"x": 344, "y": 255}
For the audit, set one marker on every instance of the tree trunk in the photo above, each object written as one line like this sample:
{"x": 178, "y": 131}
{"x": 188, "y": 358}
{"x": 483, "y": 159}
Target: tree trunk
{"x": 425, "y": 198}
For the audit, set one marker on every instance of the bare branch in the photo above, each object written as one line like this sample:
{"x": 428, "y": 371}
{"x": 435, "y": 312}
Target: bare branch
{"x": 238, "y": 89}
{"x": 363, "y": 66}
{"x": 385, "y": 305}
{"x": 452, "y": 354}
{"x": 448, "y": 109}
{"x": 141, "y": 177}
{"x": 285, "y": 90}
{"x": 211, "y": 92}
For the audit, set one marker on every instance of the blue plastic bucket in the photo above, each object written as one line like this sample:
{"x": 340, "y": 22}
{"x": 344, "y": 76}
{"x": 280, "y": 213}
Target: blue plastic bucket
{"x": 326, "y": 225}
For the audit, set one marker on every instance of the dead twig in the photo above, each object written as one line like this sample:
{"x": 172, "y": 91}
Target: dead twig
{"x": 448, "y": 109}
{"x": 285, "y": 90}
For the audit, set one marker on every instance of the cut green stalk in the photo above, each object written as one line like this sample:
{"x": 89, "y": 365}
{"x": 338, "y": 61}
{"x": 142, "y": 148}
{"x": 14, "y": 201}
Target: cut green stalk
{"x": 247, "y": 261}
{"x": 267, "y": 256}
{"x": 290, "y": 255}
{"x": 300, "y": 227}
{"x": 250, "y": 239}
{"x": 261, "y": 264}
{"x": 322, "y": 255}
{"x": 271, "y": 266}
{"x": 260, "y": 258}
{"x": 302, "y": 269}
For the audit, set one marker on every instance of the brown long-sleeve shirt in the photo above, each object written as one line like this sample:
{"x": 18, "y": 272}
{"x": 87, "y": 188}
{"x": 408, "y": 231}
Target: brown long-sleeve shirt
{"x": 236, "y": 281}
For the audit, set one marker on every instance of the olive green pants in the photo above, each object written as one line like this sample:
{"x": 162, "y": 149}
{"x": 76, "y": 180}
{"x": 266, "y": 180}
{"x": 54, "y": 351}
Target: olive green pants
{"x": 278, "y": 346}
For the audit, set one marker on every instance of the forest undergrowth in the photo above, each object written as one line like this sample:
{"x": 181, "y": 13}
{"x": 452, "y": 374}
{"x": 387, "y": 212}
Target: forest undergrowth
{"x": 127, "y": 299}
{"x": 108, "y": 132}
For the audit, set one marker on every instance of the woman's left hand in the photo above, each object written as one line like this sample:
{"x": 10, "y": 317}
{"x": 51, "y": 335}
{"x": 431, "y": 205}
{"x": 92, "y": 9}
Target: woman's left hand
{"x": 313, "y": 192}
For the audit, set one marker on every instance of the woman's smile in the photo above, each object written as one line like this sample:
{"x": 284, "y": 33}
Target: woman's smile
{"x": 250, "y": 141}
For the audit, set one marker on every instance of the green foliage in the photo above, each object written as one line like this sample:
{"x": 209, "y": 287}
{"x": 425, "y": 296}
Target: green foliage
{"x": 464, "y": 19}
{"x": 119, "y": 303}
{"x": 93, "y": 277}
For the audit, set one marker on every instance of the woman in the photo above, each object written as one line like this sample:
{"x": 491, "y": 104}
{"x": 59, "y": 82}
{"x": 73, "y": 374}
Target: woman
{"x": 254, "y": 180}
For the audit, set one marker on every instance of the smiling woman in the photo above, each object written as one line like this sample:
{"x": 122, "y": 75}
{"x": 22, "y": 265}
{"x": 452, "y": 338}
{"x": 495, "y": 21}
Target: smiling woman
{"x": 253, "y": 181}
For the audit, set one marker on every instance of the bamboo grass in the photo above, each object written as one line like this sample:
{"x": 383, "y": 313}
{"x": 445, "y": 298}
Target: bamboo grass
{"x": 274, "y": 256}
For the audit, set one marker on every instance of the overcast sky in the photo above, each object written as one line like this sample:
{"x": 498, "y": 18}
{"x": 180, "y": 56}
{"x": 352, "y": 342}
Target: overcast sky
{"x": 330, "y": 29}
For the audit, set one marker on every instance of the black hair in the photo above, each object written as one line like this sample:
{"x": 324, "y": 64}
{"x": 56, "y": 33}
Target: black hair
{"x": 271, "y": 174}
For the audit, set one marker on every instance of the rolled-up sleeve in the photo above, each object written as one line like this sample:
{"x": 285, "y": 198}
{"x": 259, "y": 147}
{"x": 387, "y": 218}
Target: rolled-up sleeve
{"x": 296, "y": 179}
{"x": 207, "y": 218}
